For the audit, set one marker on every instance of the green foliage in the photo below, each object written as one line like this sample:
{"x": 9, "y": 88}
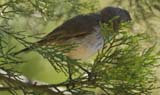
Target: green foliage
{"x": 122, "y": 67}
{"x": 145, "y": 13}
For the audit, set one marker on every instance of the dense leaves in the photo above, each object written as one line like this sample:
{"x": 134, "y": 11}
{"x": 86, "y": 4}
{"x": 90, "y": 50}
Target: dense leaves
{"x": 122, "y": 67}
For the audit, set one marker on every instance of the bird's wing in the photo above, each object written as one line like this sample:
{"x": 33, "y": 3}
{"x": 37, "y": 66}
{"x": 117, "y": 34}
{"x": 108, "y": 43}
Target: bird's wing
{"x": 60, "y": 37}
{"x": 78, "y": 26}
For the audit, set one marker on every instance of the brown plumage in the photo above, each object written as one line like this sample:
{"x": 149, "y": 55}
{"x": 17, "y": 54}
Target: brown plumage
{"x": 85, "y": 30}
{"x": 78, "y": 26}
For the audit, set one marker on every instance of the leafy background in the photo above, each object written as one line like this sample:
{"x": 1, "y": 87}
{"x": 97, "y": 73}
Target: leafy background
{"x": 36, "y": 23}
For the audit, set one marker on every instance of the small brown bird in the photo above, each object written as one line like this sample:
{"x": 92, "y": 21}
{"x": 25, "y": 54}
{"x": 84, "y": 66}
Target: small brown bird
{"x": 85, "y": 31}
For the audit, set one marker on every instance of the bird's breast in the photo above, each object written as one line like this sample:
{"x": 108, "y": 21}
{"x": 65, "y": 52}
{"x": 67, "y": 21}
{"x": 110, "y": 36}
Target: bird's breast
{"x": 87, "y": 46}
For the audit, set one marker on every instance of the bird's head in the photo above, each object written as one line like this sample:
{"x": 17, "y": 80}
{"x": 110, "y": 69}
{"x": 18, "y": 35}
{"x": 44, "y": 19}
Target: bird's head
{"x": 114, "y": 15}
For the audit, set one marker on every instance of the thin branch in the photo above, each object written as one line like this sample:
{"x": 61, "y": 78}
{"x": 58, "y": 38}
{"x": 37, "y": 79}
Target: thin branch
{"x": 20, "y": 83}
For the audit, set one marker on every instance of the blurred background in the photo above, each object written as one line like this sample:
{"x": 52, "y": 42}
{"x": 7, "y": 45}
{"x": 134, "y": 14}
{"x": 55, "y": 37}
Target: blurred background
{"x": 39, "y": 17}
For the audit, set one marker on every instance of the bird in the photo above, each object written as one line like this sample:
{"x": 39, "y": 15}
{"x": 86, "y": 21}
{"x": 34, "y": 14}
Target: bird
{"x": 84, "y": 30}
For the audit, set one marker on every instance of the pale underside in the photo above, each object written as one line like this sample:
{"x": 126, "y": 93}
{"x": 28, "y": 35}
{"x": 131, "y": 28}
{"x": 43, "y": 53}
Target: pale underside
{"x": 87, "y": 46}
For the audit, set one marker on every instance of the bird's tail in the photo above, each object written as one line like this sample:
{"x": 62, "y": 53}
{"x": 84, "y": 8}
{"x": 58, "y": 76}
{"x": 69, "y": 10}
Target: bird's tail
{"x": 41, "y": 42}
